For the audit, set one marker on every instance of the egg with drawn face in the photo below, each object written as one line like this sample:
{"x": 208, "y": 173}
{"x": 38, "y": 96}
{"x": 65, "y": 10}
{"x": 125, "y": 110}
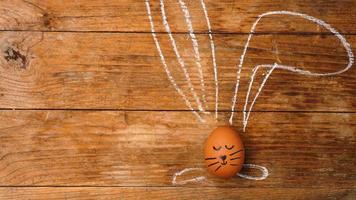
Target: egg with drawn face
{"x": 224, "y": 152}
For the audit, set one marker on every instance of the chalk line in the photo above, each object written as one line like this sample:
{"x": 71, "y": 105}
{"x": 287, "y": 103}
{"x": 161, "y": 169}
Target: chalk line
{"x": 165, "y": 66}
{"x": 195, "y": 179}
{"x": 263, "y": 170}
{"x": 212, "y": 47}
{"x": 344, "y": 42}
{"x": 178, "y": 56}
{"x": 245, "y": 118}
{"x": 195, "y": 44}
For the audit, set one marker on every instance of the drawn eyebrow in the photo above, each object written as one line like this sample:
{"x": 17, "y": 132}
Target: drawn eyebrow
{"x": 236, "y": 152}
{"x": 229, "y": 148}
{"x": 210, "y": 158}
{"x": 213, "y": 164}
{"x": 216, "y": 149}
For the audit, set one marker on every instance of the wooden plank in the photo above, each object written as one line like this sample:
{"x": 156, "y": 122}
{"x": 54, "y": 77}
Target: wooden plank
{"x": 136, "y": 148}
{"x": 48, "y": 193}
{"x": 124, "y": 71}
{"x": 131, "y": 15}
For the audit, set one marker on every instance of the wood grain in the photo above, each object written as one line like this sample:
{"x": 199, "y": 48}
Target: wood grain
{"x": 100, "y": 148}
{"x": 123, "y": 71}
{"x": 50, "y": 193}
{"x": 130, "y": 15}
{"x": 87, "y": 111}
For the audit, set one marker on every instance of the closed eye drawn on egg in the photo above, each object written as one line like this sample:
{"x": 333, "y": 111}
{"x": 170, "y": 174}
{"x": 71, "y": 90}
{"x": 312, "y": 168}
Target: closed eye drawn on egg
{"x": 216, "y": 148}
{"x": 217, "y": 168}
{"x": 236, "y": 152}
{"x": 229, "y": 148}
{"x": 213, "y": 164}
{"x": 210, "y": 158}
{"x": 235, "y": 158}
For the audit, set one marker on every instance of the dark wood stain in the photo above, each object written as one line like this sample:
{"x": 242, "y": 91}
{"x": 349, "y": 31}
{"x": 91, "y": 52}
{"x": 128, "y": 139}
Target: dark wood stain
{"x": 11, "y": 54}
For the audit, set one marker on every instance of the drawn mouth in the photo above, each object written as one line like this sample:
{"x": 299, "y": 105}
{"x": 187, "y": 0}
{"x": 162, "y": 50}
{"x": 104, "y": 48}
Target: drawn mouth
{"x": 224, "y": 163}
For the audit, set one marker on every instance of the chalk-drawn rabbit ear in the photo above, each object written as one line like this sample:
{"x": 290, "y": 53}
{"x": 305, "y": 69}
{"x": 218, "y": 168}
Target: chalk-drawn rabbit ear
{"x": 246, "y": 111}
{"x": 200, "y": 100}
{"x": 180, "y": 60}
{"x": 197, "y": 54}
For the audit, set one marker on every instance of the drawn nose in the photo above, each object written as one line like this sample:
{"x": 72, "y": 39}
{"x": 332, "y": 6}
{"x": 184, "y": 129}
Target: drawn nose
{"x": 223, "y": 157}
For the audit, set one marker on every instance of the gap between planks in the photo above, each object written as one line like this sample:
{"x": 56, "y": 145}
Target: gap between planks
{"x": 165, "y": 186}
{"x": 178, "y": 110}
{"x": 173, "y": 32}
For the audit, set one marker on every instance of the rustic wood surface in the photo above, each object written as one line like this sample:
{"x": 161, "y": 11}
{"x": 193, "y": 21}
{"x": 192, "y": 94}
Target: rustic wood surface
{"x": 227, "y": 16}
{"x": 87, "y": 111}
{"x": 145, "y": 148}
{"x": 95, "y": 193}
{"x": 123, "y": 71}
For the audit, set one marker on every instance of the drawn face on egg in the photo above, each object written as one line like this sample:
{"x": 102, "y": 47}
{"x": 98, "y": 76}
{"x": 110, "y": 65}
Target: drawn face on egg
{"x": 224, "y": 152}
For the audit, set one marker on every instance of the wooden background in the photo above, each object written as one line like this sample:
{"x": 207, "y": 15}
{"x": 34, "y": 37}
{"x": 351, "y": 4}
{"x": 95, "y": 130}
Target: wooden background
{"x": 87, "y": 111}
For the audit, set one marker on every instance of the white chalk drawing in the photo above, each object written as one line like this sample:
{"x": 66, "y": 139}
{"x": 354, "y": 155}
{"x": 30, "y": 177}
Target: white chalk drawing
{"x": 254, "y": 71}
{"x": 179, "y": 58}
{"x": 342, "y": 39}
{"x": 166, "y": 68}
{"x": 246, "y": 109}
{"x": 213, "y": 57}
{"x": 195, "y": 47}
{"x": 263, "y": 170}
{"x": 195, "y": 179}
{"x": 263, "y": 176}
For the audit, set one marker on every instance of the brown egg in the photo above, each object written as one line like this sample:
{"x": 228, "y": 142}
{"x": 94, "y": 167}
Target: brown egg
{"x": 224, "y": 152}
